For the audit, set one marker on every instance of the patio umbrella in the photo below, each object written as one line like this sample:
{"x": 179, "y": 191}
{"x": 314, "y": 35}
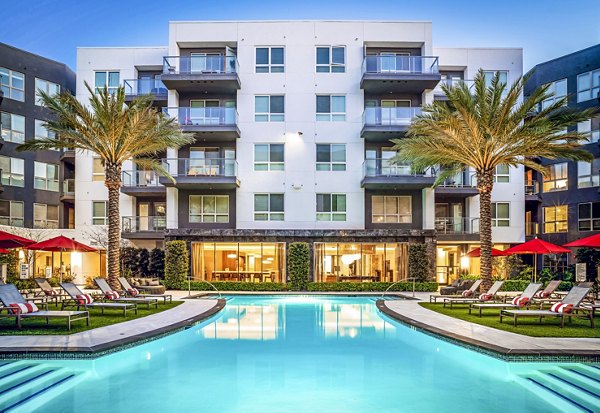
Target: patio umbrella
{"x": 3, "y": 251}
{"x": 593, "y": 241}
{"x": 8, "y": 240}
{"x": 536, "y": 247}
{"x": 60, "y": 244}
{"x": 477, "y": 253}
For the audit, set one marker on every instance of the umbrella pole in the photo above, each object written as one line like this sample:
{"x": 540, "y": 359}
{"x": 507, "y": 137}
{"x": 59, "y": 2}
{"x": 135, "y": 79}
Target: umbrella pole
{"x": 60, "y": 265}
{"x": 534, "y": 268}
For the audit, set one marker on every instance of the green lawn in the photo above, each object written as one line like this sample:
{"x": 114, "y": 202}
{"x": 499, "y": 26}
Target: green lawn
{"x": 36, "y": 326}
{"x": 529, "y": 326}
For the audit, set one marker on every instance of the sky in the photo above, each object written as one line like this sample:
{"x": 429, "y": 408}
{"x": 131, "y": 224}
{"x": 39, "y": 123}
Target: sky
{"x": 545, "y": 29}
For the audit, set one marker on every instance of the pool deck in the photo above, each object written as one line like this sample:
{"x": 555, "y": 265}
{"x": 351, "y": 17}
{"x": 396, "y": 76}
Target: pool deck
{"x": 114, "y": 336}
{"x": 506, "y": 344}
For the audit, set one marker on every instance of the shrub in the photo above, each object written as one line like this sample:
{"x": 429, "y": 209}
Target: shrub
{"x": 298, "y": 265}
{"x": 130, "y": 260}
{"x": 157, "y": 263}
{"x": 373, "y": 286}
{"x": 176, "y": 264}
{"x": 143, "y": 264}
{"x": 419, "y": 262}
{"x": 237, "y": 286}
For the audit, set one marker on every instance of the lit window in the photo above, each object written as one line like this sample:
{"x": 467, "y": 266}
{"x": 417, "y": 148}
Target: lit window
{"x": 98, "y": 173}
{"x": 268, "y": 157}
{"x": 331, "y": 207}
{"x": 47, "y": 87}
{"x": 502, "y": 174}
{"x": 13, "y": 171}
{"x": 500, "y": 214}
{"x": 331, "y": 157}
{"x": 588, "y": 85}
{"x": 269, "y": 59}
{"x": 108, "y": 79}
{"x": 589, "y": 216}
{"x": 11, "y": 213}
{"x": 45, "y": 176}
{"x": 269, "y": 109}
{"x": 556, "y": 178}
{"x": 13, "y": 127}
{"x": 12, "y": 84}
{"x": 45, "y": 216}
{"x": 331, "y": 108}
{"x": 99, "y": 212}
{"x": 555, "y": 219}
{"x": 391, "y": 209}
{"x": 268, "y": 207}
{"x": 331, "y": 59}
{"x": 209, "y": 208}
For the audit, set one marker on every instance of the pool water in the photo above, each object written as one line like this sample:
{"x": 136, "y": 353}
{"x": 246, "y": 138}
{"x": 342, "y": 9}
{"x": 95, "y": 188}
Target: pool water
{"x": 297, "y": 354}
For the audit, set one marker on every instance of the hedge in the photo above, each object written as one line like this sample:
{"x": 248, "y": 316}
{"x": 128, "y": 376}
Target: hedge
{"x": 372, "y": 286}
{"x": 298, "y": 265}
{"x": 237, "y": 286}
{"x": 419, "y": 262}
{"x": 520, "y": 285}
{"x": 176, "y": 264}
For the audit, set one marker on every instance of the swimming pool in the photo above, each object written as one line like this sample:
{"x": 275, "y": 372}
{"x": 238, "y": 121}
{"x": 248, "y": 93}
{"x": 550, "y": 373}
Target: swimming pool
{"x": 295, "y": 354}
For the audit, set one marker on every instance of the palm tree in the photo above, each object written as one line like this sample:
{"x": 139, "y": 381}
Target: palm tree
{"x": 116, "y": 133}
{"x": 489, "y": 126}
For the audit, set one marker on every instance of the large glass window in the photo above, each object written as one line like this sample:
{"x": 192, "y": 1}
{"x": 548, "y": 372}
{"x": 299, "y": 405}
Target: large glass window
{"x": 209, "y": 208}
{"x": 108, "y": 79}
{"x": 45, "y": 176}
{"x": 12, "y": 84}
{"x": 41, "y": 132}
{"x": 99, "y": 212}
{"x": 556, "y": 178}
{"x": 589, "y": 216}
{"x": 331, "y": 59}
{"x": 502, "y": 174}
{"x": 588, "y": 174}
{"x": 331, "y": 207}
{"x": 268, "y": 207}
{"x": 555, "y": 219}
{"x": 391, "y": 209}
{"x": 13, "y": 127}
{"x": 269, "y": 109}
{"x": 588, "y": 85}
{"x": 270, "y": 59}
{"x": 11, "y": 213}
{"x": 98, "y": 173}
{"x": 559, "y": 91}
{"x": 331, "y": 157}
{"x": 489, "y": 76}
{"x": 13, "y": 171}
{"x": 500, "y": 214}
{"x": 49, "y": 88}
{"x": 331, "y": 108}
{"x": 268, "y": 157}
{"x": 45, "y": 216}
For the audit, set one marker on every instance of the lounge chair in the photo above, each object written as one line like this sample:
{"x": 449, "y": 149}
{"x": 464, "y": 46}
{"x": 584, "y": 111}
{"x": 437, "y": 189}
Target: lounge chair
{"x": 470, "y": 292}
{"x": 517, "y": 302}
{"x": 568, "y": 307}
{"x": 79, "y": 299}
{"x": 130, "y": 291}
{"x": 559, "y": 296}
{"x": 16, "y": 305}
{"x": 547, "y": 292}
{"x": 490, "y": 295}
{"x": 115, "y": 297}
{"x": 48, "y": 292}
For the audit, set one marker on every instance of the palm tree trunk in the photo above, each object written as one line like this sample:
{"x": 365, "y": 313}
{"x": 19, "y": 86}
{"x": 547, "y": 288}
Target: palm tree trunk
{"x": 485, "y": 184}
{"x": 113, "y": 183}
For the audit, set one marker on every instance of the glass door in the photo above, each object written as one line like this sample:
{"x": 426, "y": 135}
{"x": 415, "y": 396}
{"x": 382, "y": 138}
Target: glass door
{"x": 230, "y": 114}
{"x": 387, "y": 168}
{"x": 394, "y": 62}
{"x": 160, "y": 215}
{"x": 229, "y": 162}
{"x": 204, "y": 112}
{"x": 203, "y": 161}
{"x": 371, "y": 162}
{"x": 395, "y": 112}
{"x": 457, "y": 218}
{"x": 143, "y": 216}
{"x": 205, "y": 63}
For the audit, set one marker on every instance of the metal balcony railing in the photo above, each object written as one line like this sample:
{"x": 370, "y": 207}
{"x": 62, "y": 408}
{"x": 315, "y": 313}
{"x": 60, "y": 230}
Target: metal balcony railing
{"x": 68, "y": 186}
{"x": 206, "y": 167}
{"x": 139, "y": 87}
{"x": 205, "y": 64}
{"x": 382, "y": 167}
{"x": 532, "y": 188}
{"x": 451, "y": 225}
{"x": 138, "y": 224}
{"x": 140, "y": 178}
{"x": 217, "y": 116}
{"x": 397, "y": 64}
{"x": 379, "y": 116}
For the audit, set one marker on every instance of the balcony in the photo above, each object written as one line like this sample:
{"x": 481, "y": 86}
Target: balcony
{"x": 399, "y": 74}
{"x": 532, "y": 229}
{"x": 142, "y": 184}
{"x": 438, "y": 93}
{"x": 532, "y": 191}
{"x": 1, "y": 182}
{"x": 67, "y": 191}
{"x": 383, "y": 124}
{"x": 460, "y": 185}
{"x": 152, "y": 227}
{"x": 204, "y": 74}
{"x": 457, "y": 229}
{"x": 217, "y": 173}
{"x": 68, "y": 156}
{"x": 212, "y": 123}
{"x": 381, "y": 174}
{"x": 144, "y": 87}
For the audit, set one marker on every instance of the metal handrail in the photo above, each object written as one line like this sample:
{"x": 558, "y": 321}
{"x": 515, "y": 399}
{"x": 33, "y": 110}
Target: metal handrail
{"x": 208, "y": 282}
{"x": 209, "y": 64}
{"x": 144, "y": 87}
{"x": 397, "y": 64}
{"x": 414, "y": 280}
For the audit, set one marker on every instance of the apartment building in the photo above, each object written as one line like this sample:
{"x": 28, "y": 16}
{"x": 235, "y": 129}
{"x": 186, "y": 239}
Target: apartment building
{"x": 293, "y": 121}
{"x": 565, "y": 205}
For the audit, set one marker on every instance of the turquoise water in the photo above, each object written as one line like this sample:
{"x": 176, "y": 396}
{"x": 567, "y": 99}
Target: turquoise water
{"x": 297, "y": 354}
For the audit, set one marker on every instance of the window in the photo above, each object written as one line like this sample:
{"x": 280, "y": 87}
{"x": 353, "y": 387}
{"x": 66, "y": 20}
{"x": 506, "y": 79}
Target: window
{"x": 502, "y": 174}
{"x": 13, "y": 171}
{"x": 109, "y": 79}
{"x": 489, "y": 76}
{"x": 268, "y": 157}
{"x": 500, "y": 214}
{"x": 209, "y": 208}
{"x": 589, "y": 216}
{"x": 268, "y": 207}
{"x": 331, "y": 108}
{"x": 555, "y": 219}
{"x": 556, "y": 178}
{"x": 99, "y": 212}
{"x": 13, "y": 84}
{"x": 331, "y": 59}
{"x": 588, "y": 85}
{"x": 13, "y": 127}
{"x": 45, "y": 216}
{"x": 331, "y": 207}
{"x": 331, "y": 157}
{"x": 41, "y": 132}
{"x": 391, "y": 209}
{"x": 97, "y": 170}
{"x": 588, "y": 174}
{"x": 45, "y": 176}
{"x": 268, "y": 109}
{"x": 269, "y": 59}
{"x": 11, "y": 213}
{"x": 559, "y": 89}
{"x": 47, "y": 87}
{"x": 592, "y": 127}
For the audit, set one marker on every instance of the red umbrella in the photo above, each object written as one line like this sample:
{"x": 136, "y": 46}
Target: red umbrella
{"x": 536, "y": 246}
{"x": 3, "y": 251}
{"x": 60, "y": 244}
{"x": 8, "y": 240}
{"x": 593, "y": 241}
{"x": 477, "y": 253}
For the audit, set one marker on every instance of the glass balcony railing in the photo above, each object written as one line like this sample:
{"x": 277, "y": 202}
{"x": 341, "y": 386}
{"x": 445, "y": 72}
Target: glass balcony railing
{"x": 217, "y": 116}
{"x": 464, "y": 179}
{"x": 139, "y": 87}
{"x": 138, "y": 224}
{"x": 205, "y": 64}
{"x": 395, "y": 64}
{"x": 451, "y": 225}
{"x": 205, "y": 167}
{"x": 68, "y": 186}
{"x": 140, "y": 178}
{"x": 383, "y": 167}
{"x": 532, "y": 188}
{"x": 379, "y": 116}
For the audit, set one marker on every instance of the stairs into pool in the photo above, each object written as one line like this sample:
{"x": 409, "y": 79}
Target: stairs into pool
{"x": 27, "y": 385}
{"x": 574, "y": 388}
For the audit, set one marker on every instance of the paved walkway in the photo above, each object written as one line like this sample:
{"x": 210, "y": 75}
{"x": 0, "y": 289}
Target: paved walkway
{"x": 116, "y": 335}
{"x": 504, "y": 342}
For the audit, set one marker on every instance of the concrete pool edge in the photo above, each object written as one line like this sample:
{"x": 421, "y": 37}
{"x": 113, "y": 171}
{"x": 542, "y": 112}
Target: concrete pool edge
{"x": 537, "y": 351}
{"x": 98, "y": 342}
